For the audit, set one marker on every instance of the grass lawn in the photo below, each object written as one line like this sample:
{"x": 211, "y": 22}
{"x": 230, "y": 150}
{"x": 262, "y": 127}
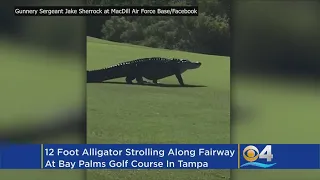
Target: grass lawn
{"x": 121, "y": 113}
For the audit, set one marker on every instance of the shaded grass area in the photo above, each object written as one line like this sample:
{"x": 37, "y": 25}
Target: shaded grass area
{"x": 36, "y": 86}
{"x": 277, "y": 111}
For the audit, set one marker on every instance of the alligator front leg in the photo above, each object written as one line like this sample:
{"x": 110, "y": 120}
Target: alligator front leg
{"x": 179, "y": 77}
{"x": 140, "y": 80}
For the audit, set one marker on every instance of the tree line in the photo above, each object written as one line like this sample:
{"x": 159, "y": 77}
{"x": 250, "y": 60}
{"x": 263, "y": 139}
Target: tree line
{"x": 207, "y": 33}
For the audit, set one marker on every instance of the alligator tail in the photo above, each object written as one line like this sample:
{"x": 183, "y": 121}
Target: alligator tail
{"x": 113, "y": 72}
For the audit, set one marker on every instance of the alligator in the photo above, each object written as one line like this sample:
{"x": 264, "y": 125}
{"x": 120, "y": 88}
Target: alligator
{"x": 153, "y": 69}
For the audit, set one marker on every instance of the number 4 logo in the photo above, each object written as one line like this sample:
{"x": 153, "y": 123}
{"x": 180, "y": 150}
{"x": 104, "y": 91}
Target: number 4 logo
{"x": 266, "y": 153}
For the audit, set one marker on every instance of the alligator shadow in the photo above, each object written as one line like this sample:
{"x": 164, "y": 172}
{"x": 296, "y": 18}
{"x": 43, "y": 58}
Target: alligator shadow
{"x": 156, "y": 85}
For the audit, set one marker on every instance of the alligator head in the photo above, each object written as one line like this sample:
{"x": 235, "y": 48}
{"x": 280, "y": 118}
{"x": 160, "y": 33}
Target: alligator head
{"x": 185, "y": 64}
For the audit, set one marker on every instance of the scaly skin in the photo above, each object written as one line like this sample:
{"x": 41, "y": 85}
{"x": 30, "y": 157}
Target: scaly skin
{"x": 154, "y": 68}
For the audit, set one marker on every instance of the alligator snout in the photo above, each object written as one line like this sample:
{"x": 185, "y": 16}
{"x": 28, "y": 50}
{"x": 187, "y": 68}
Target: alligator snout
{"x": 197, "y": 64}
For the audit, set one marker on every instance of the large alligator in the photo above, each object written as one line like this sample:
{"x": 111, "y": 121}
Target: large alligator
{"x": 154, "y": 68}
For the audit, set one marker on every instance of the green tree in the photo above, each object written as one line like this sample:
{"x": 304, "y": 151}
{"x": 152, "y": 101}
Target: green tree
{"x": 207, "y": 33}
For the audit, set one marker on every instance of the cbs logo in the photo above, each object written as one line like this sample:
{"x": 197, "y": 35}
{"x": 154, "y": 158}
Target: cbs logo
{"x": 251, "y": 153}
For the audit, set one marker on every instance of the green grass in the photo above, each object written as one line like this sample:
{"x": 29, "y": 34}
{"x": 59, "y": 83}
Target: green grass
{"x": 121, "y": 113}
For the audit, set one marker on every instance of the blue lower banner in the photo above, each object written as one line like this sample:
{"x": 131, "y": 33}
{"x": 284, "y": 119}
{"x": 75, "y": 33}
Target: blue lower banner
{"x": 138, "y": 156}
{"x": 279, "y": 156}
{"x": 20, "y": 156}
{"x": 160, "y": 156}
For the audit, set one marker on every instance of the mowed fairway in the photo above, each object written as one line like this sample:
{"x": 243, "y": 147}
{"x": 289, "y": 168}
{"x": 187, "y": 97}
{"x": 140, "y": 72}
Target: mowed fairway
{"x": 121, "y": 113}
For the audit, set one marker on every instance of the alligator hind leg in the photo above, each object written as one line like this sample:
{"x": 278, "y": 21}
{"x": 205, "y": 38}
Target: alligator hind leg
{"x": 140, "y": 80}
{"x": 129, "y": 79}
